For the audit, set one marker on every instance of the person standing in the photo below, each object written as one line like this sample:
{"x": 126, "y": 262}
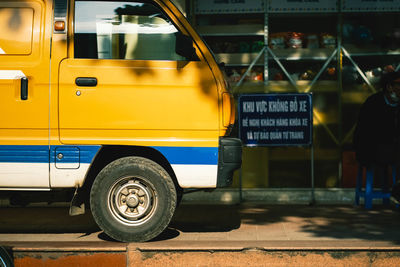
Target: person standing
{"x": 377, "y": 134}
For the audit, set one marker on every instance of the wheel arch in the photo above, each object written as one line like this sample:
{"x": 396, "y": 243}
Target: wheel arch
{"x": 108, "y": 154}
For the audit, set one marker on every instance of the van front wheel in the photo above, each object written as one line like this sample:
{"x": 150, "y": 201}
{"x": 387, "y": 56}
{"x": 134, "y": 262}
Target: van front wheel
{"x": 133, "y": 199}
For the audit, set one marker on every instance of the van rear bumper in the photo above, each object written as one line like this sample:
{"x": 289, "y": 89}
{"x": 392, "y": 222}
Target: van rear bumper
{"x": 229, "y": 160}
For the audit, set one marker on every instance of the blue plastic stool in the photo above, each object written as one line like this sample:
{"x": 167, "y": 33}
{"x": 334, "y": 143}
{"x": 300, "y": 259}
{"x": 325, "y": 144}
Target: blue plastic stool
{"x": 369, "y": 193}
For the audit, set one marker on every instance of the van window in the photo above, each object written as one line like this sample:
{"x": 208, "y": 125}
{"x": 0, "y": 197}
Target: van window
{"x": 16, "y": 26}
{"x": 123, "y": 30}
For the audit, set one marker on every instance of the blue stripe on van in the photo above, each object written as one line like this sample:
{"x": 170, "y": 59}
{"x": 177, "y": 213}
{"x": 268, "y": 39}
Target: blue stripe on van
{"x": 85, "y": 154}
{"x": 190, "y": 155}
{"x": 73, "y": 154}
{"x": 24, "y": 154}
{"x": 41, "y": 154}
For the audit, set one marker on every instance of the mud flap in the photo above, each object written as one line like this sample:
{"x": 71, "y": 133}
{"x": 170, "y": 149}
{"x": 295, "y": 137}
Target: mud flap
{"x": 77, "y": 205}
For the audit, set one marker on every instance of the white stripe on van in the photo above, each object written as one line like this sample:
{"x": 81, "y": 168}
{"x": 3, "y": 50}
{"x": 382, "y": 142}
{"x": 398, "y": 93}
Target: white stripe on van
{"x": 11, "y": 74}
{"x": 2, "y": 51}
{"x": 196, "y": 176}
{"x": 24, "y": 174}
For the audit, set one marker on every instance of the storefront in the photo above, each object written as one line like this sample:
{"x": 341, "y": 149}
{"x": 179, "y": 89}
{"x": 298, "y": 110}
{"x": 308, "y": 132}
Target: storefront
{"x": 335, "y": 49}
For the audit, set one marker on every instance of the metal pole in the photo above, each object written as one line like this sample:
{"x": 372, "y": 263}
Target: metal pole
{"x": 292, "y": 82}
{"x": 240, "y": 187}
{"x": 312, "y": 202}
{"x": 250, "y": 67}
{"x": 266, "y": 34}
{"x": 321, "y": 71}
{"x": 362, "y": 74}
{"x": 339, "y": 74}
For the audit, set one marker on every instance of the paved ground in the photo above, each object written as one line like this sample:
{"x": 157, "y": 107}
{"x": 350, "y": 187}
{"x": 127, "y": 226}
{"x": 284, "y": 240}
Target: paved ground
{"x": 197, "y": 227}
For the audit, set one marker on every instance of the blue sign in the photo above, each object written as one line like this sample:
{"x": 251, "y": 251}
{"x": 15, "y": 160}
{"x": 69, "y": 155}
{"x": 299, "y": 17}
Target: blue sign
{"x": 276, "y": 119}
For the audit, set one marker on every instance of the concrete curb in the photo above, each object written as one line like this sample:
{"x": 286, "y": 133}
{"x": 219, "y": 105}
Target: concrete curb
{"x": 335, "y": 196}
{"x": 185, "y": 246}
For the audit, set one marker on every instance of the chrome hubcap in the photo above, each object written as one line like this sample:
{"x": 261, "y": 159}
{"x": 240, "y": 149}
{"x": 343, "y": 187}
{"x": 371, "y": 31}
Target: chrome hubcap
{"x": 132, "y": 200}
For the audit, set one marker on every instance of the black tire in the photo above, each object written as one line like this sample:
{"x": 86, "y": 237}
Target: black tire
{"x": 5, "y": 259}
{"x": 133, "y": 199}
{"x": 179, "y": 196}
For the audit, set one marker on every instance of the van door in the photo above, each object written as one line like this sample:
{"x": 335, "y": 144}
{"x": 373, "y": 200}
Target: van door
{"x": 126, "y": 74}
{"x": 24, "y": 93}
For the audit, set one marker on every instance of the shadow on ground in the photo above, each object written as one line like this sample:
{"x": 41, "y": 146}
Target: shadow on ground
{"x": 45, "y": 220}
{"x": 206, "y": 218}
{"x": 339, "y": 222}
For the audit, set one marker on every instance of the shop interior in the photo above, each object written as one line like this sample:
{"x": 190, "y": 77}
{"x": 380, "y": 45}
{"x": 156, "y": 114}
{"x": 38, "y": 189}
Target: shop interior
{"x": 338, "y": 55}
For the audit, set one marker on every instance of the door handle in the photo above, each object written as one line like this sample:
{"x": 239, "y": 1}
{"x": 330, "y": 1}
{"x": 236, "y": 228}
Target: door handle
{"x": 24, "y": 88}
{"x": 86, "y": 81}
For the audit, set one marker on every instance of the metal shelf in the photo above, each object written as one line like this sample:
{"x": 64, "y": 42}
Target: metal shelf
{"x": 303, "y": 53}
{"x": 285, "y": 86}
{"x": 370, "y": 51}
{"x": 241, "y": 59}
{"x": 238, "y": 59}
{"x": 232, "y": 30}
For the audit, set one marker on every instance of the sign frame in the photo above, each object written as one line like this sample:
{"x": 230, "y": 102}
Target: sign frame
{"x": 301, "y": 6}
{"x": 229, "y": 6}
{"x": 370, "y": 6}
{"x": 308, "y": 129}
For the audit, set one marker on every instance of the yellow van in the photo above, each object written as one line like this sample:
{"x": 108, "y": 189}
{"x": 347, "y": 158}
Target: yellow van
{"x": 120, "y": 101}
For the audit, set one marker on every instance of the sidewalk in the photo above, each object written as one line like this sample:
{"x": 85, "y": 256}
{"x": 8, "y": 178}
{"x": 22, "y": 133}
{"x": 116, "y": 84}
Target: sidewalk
{"x": 223, "y": 226}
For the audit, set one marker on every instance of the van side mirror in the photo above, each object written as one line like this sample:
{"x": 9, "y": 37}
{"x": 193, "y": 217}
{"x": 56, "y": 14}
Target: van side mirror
{"x": 184, "y": 47}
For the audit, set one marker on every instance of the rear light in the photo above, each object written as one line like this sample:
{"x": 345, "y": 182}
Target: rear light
{"x": 228, "y": 109}
{"x": 233, "y": 111}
